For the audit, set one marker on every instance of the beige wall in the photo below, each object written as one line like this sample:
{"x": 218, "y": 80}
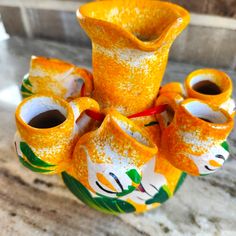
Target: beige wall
{"x": 213, "y": 7}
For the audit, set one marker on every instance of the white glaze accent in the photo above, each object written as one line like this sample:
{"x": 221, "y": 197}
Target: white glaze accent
{"x": 131, "y": 57}
{"x": 202, "y": 110}
{"x": 151, "y": 182}
{"x": 203, "y": 160}
{"x": 117, "y": 168}
{"x": 202, "y": 77}
{"x": 38, "y": 105}
{"x": 229, "y": 106}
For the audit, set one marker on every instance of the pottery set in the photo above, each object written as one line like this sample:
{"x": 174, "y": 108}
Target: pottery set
{"x": 120, "y": 141}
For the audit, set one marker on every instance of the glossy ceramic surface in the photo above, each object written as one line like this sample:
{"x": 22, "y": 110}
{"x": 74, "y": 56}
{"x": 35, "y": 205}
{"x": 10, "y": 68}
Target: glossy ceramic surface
{"x": 122, "y": 161}
{"x": 131, "y": 42}
{"x": 48, "y": 150}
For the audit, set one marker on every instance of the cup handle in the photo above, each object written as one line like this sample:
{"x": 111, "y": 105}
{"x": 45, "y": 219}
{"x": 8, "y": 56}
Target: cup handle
{"x": 172, "y": 100}
{"x": 79, "y": 105}
{"x": 173, "y": 87}
{"x": 87, "y": 77}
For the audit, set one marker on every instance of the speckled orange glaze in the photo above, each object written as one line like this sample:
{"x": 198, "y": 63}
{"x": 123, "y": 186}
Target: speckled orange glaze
{"x": 54, "y": 145}
{"x": 173, "y": 87}
{"x": 120, "y": 165}
{"x": 131, "y": 41}
{"x": 189, "y": 135}
{"x": 171, "y": 173}
{"x": 172, "y": 100}
{"x": 51, "y": 76}
{"x": 153, "y": 130}
{"x": 118, "y": 141}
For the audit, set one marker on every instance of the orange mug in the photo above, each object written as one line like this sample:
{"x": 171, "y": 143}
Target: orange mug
{"x": 194, "y": 140}
{"x": 47, "y": 131}
{"x": 51, "y": 76}
{"x": 213, "y": 86}
{"x": 113, "y": 153}
{"x": 210, "y": 85}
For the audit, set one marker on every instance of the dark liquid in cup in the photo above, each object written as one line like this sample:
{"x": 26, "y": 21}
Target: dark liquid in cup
{"x": 207, "y": 87}
{"x": 47, "y": 119}
{"x": 205, "y": 120}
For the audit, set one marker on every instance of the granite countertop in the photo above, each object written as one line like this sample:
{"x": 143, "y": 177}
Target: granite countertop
{"x": 34, "y": 204}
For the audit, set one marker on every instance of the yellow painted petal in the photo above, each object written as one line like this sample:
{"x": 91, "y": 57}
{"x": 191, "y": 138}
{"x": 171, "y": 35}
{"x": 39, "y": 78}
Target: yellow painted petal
{"x": 214, "y": 163}
{"x": 105, "y": 181}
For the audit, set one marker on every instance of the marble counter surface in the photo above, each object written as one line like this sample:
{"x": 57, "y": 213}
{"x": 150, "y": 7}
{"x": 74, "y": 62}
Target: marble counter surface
{"x": 33, "y": 204}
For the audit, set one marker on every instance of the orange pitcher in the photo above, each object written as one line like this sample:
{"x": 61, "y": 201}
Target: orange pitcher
{"x": 131, "y": 42}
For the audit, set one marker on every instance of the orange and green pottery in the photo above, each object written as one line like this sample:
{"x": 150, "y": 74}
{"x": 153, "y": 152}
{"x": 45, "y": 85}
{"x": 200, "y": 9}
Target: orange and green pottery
{"x": 48, "y": 150}
{"x": 50, "y": 76}
{"x": 127, "y": 142}
{"x": 116, "y": 147}
{"x": 195, "y": 140}
{"x": 130, "y": 46}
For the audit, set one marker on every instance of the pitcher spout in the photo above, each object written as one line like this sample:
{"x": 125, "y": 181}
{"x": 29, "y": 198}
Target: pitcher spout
{"x": 131, "y": 41}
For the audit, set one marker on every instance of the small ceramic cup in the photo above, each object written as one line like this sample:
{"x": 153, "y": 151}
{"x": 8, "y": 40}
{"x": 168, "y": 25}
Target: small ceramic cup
{"x": 55, "y": 77}
{"x": 212, "y": 86}
{"x": 44, "y": 147}
{"x": 194, "y": 140}
{"x": 108, "y": 161}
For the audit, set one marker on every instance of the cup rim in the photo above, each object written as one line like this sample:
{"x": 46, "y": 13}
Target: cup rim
{"x": 115, "y": 113}
{"x": 213, "y": 107}
{"x": 214, "y": 73}
{"x": 60, "y": 101}
{"x": 151, "y": 147}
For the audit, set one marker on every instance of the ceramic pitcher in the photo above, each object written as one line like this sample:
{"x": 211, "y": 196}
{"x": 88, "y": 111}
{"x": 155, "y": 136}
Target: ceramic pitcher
{"x": 118, "y": 147}
{"x": 117, "y": 169}
{"x": 130, "y": 46}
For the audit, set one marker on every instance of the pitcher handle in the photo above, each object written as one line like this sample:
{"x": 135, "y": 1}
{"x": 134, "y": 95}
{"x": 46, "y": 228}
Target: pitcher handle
{"x": 173, "y": 87}
{"x": 79, "y": 105}
{"x": 87, "y": 77}
{"x": 172, "y": 100}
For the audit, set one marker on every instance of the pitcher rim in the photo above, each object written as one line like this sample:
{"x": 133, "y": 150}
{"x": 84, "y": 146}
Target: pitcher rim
{"x": 228, "y": 122}
{"x": 183, "y": 19}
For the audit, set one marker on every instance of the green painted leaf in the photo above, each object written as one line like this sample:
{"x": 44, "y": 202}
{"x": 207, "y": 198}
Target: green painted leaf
{"x": 31, "y": 157}
{"x": 26, "y": 95}
{"x": 225, "y": 145}
{"x": 32, "y": 168}
{"x": 151, "y": 123}
{"x": 23, "y": 89}
{"x": 78, "y": 189}
{"x": 101, "y": 203}
{"x": 126, "y": 191}
{"x": 204, "y": 174}
{"x": 134, "y": 176}
{"x": 26, "y": 80}
{"x": 180, "y": 181}
{"x": 161, "y": 196}
{"x": 114, "y": 205}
